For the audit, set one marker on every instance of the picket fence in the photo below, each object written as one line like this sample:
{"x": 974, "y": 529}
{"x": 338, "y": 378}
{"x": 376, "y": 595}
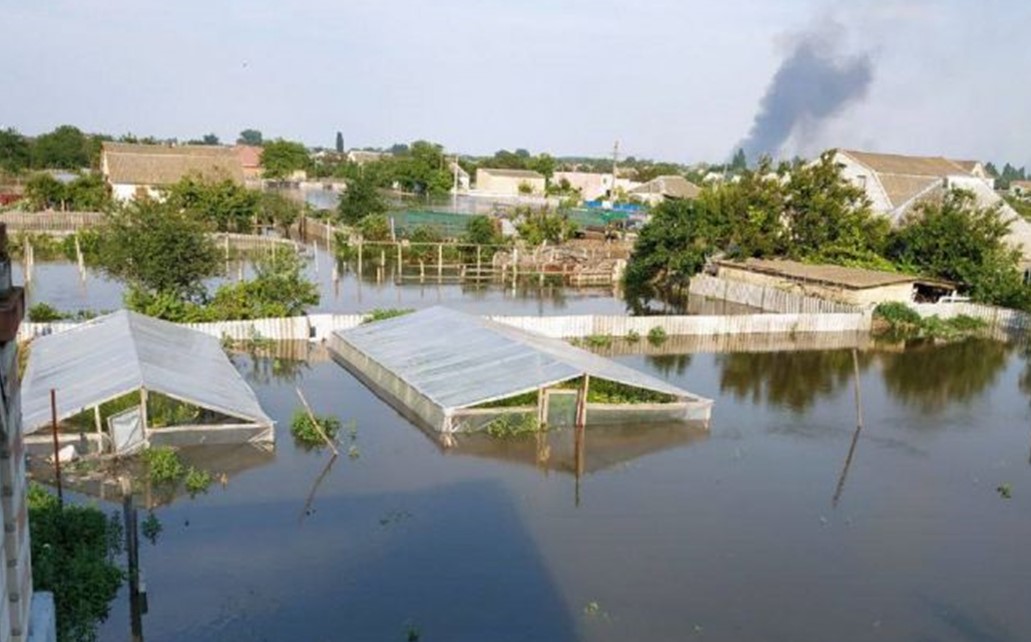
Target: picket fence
{"x": 764, "y": 297}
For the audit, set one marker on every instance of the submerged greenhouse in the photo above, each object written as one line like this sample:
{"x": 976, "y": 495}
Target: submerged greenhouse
{"x": 124, "y": 381}
{"x": 454, "y": 372}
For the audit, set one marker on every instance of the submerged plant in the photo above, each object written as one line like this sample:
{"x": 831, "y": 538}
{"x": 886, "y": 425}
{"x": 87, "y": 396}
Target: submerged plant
{"x": 598, "y": 341}
{"x": 163, "y": 465}
{"x": 307, "y": 434}
{"x": 633, "y": 336}
{"x": 197, "y": 481}
{"x": 657, "y": 335}
{"x": 151, "y": 527}
{"x": 511, "y": 424}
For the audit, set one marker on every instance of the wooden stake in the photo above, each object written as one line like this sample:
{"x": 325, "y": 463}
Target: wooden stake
{"x": 57, "y": 447}
{"x": 315, "y": 422}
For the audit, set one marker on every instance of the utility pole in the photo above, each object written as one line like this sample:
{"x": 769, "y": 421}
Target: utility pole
{"x": 615, "y": 161}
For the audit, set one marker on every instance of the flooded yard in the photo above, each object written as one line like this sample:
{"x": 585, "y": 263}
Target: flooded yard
{"x": 753, "y": 531}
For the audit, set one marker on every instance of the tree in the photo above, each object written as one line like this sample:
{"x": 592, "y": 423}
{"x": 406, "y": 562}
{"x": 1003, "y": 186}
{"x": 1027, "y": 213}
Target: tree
{"x": 543, "y": 225}
{"x": 15, "y": 153}
{"x": 482, "y": 230}
{"x": 158, "y": 248}
{"x": 340, "y": 143}
{"x": 44, "y": 192}
{"x": 72, "y": 556}
{"x": 740, "y": 162}
{"x": 281, "y": 158}
{"x": 673, "y": 245}
{"x": 362, "y": 199}
{"x": 88, "y": 193}
{"x": 278, "y": 289}
{"x": 250, "y": 137}
{"x": 223, "y": 205}
{"x": 64, "y": 148}
{"x": 957, "y": 240}
{"x": 278, "y": 210}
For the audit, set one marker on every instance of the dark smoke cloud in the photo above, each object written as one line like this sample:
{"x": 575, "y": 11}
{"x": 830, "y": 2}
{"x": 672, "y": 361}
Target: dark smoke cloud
{"x": 811, "y": 85}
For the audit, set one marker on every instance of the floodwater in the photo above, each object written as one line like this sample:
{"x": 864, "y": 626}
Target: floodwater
{"x": 60, "y": 284}
{"x": 753, "y": 531}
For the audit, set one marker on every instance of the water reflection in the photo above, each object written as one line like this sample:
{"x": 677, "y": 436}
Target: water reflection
{"x": 929, "y": 377}
{"x": 791, "y": 379}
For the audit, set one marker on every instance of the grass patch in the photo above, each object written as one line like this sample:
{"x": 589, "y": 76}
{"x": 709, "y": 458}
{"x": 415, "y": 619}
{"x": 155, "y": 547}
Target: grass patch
{"x": 163, "y": 465}
{"x": 901, "y": 321}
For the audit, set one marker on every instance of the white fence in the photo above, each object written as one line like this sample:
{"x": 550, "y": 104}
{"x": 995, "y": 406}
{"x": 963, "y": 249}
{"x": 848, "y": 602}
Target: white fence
{"x": 50, "y": 221}
{"x": 318, "y": 327}
{"x": 999, "y": 318}
{"x": 764, "y": 298}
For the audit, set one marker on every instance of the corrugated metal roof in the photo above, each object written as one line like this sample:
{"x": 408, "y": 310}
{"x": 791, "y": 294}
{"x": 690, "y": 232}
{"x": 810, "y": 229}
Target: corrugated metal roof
{"x": 124, "y": 351}
{"x": 457, "y": 360}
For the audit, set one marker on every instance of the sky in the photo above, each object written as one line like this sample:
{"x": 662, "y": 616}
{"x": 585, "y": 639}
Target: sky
{"x": 673, "y": 80}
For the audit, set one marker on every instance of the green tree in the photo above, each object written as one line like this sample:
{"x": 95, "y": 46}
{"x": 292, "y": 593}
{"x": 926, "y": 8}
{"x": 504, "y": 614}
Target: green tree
{"x": 482, "y": 230}
{"x": 15, "y": 153}
{"x": 158, "y": 248}
{"x": 250, "y": 137}
{"x": 957, "y": 240}
{"x": 543, "y": 225}
{"x": 673, "y": 245}
{"x": 72, "y": 556}
{"x": 340, "y": 143}
{"x": 64, "y": 148}
{"x": 740, "y": 162}
{"x": 361, "y": 199}
{"x": 278, "y": 210}
{"x": 45, "y": 192}
{"x": 281, "y": 158}
{"x": 278, "y": 289}
{"x": 224, "y": 205}
{"x": 88, "y": 193}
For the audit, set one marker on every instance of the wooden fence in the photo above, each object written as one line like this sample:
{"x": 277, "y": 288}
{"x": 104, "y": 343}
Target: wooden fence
{"x": 765, "y": 298}
{"x": 1009, "y": 321}
{"x": 50, "y": 221}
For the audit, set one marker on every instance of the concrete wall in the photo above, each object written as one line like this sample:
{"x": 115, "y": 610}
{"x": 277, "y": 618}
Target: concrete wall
{"x": 863, "y": 178}
{"x": 126, "y": 192}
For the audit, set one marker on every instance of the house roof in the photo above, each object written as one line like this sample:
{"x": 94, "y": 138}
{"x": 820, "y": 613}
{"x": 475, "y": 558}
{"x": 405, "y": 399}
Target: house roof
{"x": 512, "y": 173}
{"x": 1024, "y": 185}
{"x": 122, "y": 352}
{"x": 161, "y": 165}
{"x": 929, "y": 166}
{"x": 846, "y": 277}
{"x": 672, "y": 186}
{"x": 456, "y": 360}
{"x": 249, "y": 155}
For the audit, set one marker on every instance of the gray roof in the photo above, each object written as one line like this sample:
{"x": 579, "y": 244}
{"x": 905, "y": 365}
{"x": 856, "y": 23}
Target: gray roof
{"x": 672, "y": 186}
{"x": 121, "y": 352}
{"x": 457, "y": 360}
{"x": 511, "y": 173}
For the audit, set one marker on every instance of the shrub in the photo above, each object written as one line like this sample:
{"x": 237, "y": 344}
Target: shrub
{"x": 197, "y": 481}
{"x": 897, "y": 315}
{"x": 512, "y": 425}
{"x": 305, "y": 432}
{"x": 657, "y": 336}
{"x": 163, "y": 465}
{"x": 598, "y": 341}
{"x": 633, "y": 336}
{"x": 45, "y": 313}
{"x": 381, "y": 314}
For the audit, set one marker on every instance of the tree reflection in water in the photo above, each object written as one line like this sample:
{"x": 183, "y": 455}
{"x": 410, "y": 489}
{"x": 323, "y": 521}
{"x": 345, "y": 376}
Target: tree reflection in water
{"x": 669, "y": 364}
{"x": 791, "y": 379}
{"x": 929, "y": 376}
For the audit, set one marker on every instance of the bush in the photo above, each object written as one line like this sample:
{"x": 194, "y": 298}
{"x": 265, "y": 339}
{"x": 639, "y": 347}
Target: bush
{"x": 896, "y": 314}
{"x": 657, "y": 336}
{"x": 305, "y": 432}
{"x": 381, "y": 314}
{"x": 163, "y": 465}
{"x": 197, "y": 481}
{"x": 45, "y": 313}
{"x": 633, "y": 336}
{"x": 513, "y": 425}
{"x": 72, "y": 556}
{"x": 598, "y": 341}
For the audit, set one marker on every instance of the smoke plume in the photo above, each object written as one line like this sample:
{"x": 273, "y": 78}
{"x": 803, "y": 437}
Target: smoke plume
{"x": 812, "y": 84}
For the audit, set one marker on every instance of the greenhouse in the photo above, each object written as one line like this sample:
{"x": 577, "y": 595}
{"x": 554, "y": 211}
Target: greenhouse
{"x": 124, "y": 381}
{"x": 453, "y": 372}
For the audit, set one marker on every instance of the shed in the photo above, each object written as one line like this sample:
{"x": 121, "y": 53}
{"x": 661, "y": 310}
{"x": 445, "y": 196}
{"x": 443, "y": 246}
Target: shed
{"x": 114, "y": 373}
{"x": 856, "y": 286}
{"x": 509, "y": 182}
{"x": 144, "y": 170}
{"x": 454, "y": 372}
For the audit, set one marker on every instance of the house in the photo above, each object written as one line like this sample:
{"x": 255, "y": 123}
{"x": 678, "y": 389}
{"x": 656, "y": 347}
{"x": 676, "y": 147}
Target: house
{"x": 250, "y": 161}
{"x": 509, "y": 182}
{"x": 663, "y": 188}
{"x": 854, "y": 286}
{"x": 1020, "y": 189}
{"x": 895, "y": 184}
{"x": 144, "y": 170}
{"x": 362, "y": 157}
{"x": 591, "y": 185}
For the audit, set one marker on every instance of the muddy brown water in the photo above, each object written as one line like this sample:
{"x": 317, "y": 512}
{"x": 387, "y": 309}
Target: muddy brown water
{"x": 729, "y": 535}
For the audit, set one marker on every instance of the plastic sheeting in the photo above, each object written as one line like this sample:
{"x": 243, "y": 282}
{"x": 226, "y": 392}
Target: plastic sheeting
{"x": 455, "y": 360}
{"x": 121, "y": 352}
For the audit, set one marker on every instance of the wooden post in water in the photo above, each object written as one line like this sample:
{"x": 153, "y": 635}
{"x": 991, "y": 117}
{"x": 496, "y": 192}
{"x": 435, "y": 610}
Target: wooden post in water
{"x": 515, "y": 266}
{"x": 315, "y": 424}
{"x": 399, "y": 269}
{"x": 360, "y": 260}
{"x": 422, "y": 271}
{"x": 479, "y": 273}
{"x": 440, "y": 262}
{"x": 132, "y": 551}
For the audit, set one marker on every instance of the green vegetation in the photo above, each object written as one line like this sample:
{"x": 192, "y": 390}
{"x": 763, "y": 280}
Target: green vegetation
{"x": 281, "y": 158}
{"x": 306, "y": 433}
{"x": 809, "y": 212}
{"x": 151, "y": 527}
{"x": 381, "y": 314}
{"x": 537, "y": 226}
{"x": 196, "y": 481}
{"x": 1005, "y": 491}
{"x": 163, "y": 465}
{"x": 361, "y": 199}
{"x": 45, "y": 313}
{"x": 657, "y": 336}
{"x": 222, "y": 206}
{"x": 513, "y": 424}
{"x": 87, "y": 192}
{"x": 250, "y": 137}
{"x": 597, "y": 341}
{"x": 633, "y": 336}
{"x": 73, "y": 556}
{"x": 900, "y": 320}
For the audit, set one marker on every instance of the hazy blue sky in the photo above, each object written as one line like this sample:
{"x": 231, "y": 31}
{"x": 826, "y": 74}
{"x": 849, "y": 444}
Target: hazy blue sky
{"x": 671, "y": 79}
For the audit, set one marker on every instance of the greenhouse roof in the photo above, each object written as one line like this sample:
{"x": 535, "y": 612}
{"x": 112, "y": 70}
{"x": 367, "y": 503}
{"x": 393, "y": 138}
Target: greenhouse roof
{"x": 119, "y": 353}
{"x": 457, "y": 361}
